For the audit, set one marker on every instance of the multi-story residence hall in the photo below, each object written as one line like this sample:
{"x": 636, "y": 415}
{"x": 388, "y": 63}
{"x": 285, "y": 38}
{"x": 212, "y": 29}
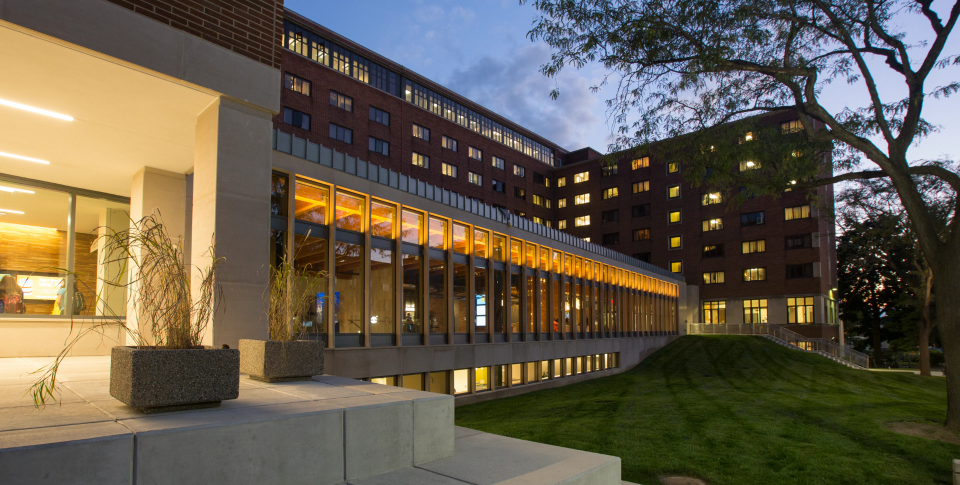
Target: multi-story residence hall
{"x": 768, "y": 260}
{"x": 256, "y": 130}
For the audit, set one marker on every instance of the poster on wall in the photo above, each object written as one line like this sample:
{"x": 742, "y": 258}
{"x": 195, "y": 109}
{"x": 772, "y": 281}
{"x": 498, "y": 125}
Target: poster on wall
{"x": 39, "y": 287}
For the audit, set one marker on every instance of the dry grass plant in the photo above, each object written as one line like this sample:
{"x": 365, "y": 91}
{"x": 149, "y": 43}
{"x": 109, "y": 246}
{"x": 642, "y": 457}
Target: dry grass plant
{"x": 292, "y": 295}
{"x": 157, "y": 281}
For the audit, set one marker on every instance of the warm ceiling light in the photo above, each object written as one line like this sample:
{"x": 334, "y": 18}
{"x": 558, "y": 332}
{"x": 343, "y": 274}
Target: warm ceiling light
{"x": 36, "y": 110}
{"x": 21, "y": 157}
{"x": 8, "y": 211}
{"x": 12, "y": 190}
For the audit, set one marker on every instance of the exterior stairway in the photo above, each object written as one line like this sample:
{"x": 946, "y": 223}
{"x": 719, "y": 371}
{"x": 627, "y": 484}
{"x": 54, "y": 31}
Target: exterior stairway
{"x": 832, "y": 357}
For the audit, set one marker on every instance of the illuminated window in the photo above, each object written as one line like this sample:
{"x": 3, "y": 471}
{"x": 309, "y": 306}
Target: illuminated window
{"x": 562, "y": 182}
{"x": 641, "y": 234}
{"x": 755, "y": 274}
{"x": 608, "y": 170}
{"x": 674, "y": 217}
{"x": 411, "y": 225}
{"x": 421, "y": 160}
{"x": 714, "y": 312}
{"x": 519, "y": 171}
{"x": 712, "y": 278}
{"x": 437, "y": 237}
{"x": 382, "y": 219}
{"x": 673, "y": 167}
{"x": 481, "y": 238}
{"x": 748, "y": 136}
{"x": 755, "y": 311}
{"x": 642, "y": 162}
{"x": 800, "y": 310}
{"x": 461, "y": 235}
{"x": 757, "y": 246}
{"x": 711, "y": 198}
{"x": 482, "y": 381}
{"x": 712, "y": 224}
{"x": 676, "y": 266}
{"x": 538, "y": 220}
{"x": 791, "y": 126}
{"x": 581, "y": 199}
{"x": 799, "y": 212}
{"x": 581, "y": 177}
{"x": 341, "y": 101}
{"x": 541, "y": 201}
{"x": 520, "y": 193}
{"x": 421, "y": 132}
{"x": 581, "y": 221}
{"x": 610, "y": 193}
{"x": 673, "y": 191}
{"x": 448, "y": 143}
{"x": 349, "y": 212}
{"x": 713, "y": 251}
{"x": 296, "y": 84}
{"x": 748, "y": 165}
{"x": 449, "y": 170}
{"x": 562, "y": 203}
{"x": 475, "y": 178}
{"x": 641, "y": 186}
{"x": 562, "y": 224}
{"x": 675, "y": 242}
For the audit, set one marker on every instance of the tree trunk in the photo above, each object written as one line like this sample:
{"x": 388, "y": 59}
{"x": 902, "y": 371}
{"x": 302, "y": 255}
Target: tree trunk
{"x": 947, "y": 283}
{"x": 924, "y": 350}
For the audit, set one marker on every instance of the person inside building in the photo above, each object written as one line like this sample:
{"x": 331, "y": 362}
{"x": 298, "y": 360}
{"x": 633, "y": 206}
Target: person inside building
{"x": 11, "y": 296}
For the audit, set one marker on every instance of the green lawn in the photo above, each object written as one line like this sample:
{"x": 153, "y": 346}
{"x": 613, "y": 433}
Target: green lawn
{"x": 738, "y": 410}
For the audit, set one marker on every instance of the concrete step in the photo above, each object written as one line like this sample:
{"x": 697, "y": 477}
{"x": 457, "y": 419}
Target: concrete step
{"x": 483, "y": 458}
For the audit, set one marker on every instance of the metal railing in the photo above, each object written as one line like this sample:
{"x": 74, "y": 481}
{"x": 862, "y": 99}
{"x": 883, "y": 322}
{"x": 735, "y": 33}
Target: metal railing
{"x": 825, "y": 347}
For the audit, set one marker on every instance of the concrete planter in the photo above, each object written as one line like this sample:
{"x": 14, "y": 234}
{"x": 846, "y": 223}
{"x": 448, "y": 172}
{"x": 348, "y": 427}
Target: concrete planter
{"x": 274, "y": 360}
{"x": 158, "y": 380}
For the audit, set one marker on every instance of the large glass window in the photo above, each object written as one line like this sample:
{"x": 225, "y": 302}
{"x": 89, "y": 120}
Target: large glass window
{"x": 382, "y": 218}
{"x": 461, "y": 238}
{"x": 714, "y": 312}
{"x": 544, "y": 370}
{"x": 800, "y": 310}
{"x": 438, "y": 296}
{"x": 310, "y": 257}
{"x": 439, "y": 382}
{"x": 480, "y": 286}
{"x": 481, "y": 239}
{"x": 482, "y": 378}
{"x": 499, "y": 247}
{"x": 557, "y": 314}
{"x": 461, "y": 310}
{"x": 529, "y": 302}
{"x": 348, "y": 288}
{"x": 349, "y": 212}
{"x": 413, "y": 381}
{"x": 311, "y": 201}
{"x": 499, "y": 300}
{"x": 516, "y": 374}
{"x": 461, "y": 381}
{"x": 755, "y": 311}
{"x": 438, "y": 233}
{"x": 516, "y": 254}
{"x": 514, "y": 303}
{"x": 567, "y": 303}
{"x": 382, "y": 290}
{"x": 412, "y": 319}
{"x": 544, "y": 258}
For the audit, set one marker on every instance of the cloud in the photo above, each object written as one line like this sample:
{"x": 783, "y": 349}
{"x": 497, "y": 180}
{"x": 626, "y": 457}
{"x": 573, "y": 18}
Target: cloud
{"x": 512, "y": 86}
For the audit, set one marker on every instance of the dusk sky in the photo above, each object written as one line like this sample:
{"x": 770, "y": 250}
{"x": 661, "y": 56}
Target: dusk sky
{"x": 480, "y": 50}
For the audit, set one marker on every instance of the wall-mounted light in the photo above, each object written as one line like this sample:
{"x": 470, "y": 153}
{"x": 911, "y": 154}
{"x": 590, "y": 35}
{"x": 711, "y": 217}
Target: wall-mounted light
{"x": 9, "y": 211}
{"x": 13, "y": 190}
{"x": 31, "y": 109}
{"x": 21, "y": 157}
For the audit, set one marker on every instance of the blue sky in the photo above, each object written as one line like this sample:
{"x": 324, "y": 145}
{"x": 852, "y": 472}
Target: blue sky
{"x": 480, "y": 50}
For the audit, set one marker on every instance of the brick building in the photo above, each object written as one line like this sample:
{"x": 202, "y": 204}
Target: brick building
{"x": 770, "y": 259}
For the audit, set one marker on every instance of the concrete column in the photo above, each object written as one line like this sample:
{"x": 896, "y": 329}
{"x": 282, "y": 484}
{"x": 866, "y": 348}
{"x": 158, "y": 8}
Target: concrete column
{"x": 231, "y": 210}
{"x": 161, "y": 194}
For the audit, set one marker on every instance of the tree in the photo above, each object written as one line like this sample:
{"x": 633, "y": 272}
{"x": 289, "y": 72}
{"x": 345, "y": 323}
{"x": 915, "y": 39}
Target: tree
{"x": 686, "y": 65}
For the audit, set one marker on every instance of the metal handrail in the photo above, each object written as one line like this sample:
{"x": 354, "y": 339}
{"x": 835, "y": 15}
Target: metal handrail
{"x": 821, "y": 346}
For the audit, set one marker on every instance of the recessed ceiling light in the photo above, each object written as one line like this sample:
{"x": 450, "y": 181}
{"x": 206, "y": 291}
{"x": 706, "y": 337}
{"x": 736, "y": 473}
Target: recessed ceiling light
{"x": 11, "y": 189}
{"x": 8, "y": 211}
{"x": 21, "y": 157}
{"x": 36, "y": 110}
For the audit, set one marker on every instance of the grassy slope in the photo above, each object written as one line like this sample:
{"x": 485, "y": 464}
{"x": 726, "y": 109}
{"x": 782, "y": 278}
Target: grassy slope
{"x": 738, "y": 410}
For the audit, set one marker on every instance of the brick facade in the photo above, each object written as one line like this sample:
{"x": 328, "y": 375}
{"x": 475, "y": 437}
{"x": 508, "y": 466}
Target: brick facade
{"x": 251, "y": 28}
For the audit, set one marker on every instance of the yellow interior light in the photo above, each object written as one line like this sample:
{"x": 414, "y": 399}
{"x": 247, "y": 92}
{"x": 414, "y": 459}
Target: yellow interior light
{"x": 13, "y": 190}
{"x": 9, "y": 211}
{"x": 21, "y": 157}
{"x": 31, "y": 109}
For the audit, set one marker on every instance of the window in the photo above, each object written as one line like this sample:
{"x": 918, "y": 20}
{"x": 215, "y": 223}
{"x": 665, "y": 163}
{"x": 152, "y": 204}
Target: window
{"x": 748, "y": 193}
{"x": 519, "y": 171}
{"x": 673, "y": 191}
{"x": 449, "y": 170}
{"x": 612, "y": 215}
{"x": 675, "y": 242}
{"x": 296, "y": 118}
{"x": 748, "y": 136}
{"x": 475, "y": 178}
{"x": 519, "y": 213}
{"x": 341, "y": 101}
{"x": 713, "y": 278}
{"x": 800, "y": 310}
{"x": 673, "y": 167}
{"x": 538, "y": 220}
{"x": 420, "y": 160}
{"x": 641, "y": 234}
{"x": 714, "y": 312}
{"x": 520, "y": 193}
{"x": 676, "y": 266}
{"x": 674, "y": 217}
{"x": 562, "y": 203}
{"x": 791, "y": 126}
{"x": 421, "y": 132}
{"x": 499, "y": 186}
{"x": 541, "y": 201}
{"x": 608, "y": 170}
{"x": 713, "y": 251}
{"x": 338, "y": 132}
{"x": 755, "y": 311}
{"x": 581, "y": 199}
{"x": 581, "y": 177}
{"x": 757, "y": 246}
{"x": 798, "y": 242}
{"x": 711, "y": 198}
{"x": 610, "y": 193}
{"x": 539, "y": 179}
{"x": 380, "y": 116}
{"x": 612, "y": 238}
{"x": 562, "y": 182}
{"x": 751, "y": 218}
{"x": 562, "y": 224}
{"x": 642, "y": 162}
{"x": 755, "y": 274}
{"x": 799, "y": 212}
{"x": 581, "y": 221}
{"x": 296, "y": 84}
{"x": 641, "y": 210}
{"x": 379, "y": 146}
{"x": 799, "y": 271}
{"x": 641, "y": 186}
{"x": 748, "y": 165}
{"x": 448, "y": 143}
{"x": 712, "y": 224}
{"x": 476, "y": 154}
{"x": 645, "y": 257}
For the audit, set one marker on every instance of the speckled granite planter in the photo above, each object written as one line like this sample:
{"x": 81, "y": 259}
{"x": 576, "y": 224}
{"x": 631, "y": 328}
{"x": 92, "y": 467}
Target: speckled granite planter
{"x": 157, "y": 380}
{"x": 274, "y": 360}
